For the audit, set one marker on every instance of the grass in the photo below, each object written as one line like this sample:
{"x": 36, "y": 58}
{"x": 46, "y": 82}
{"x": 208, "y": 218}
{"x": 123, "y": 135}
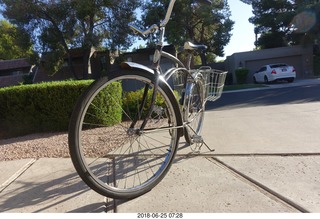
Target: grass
{"x": 242, "y": 86}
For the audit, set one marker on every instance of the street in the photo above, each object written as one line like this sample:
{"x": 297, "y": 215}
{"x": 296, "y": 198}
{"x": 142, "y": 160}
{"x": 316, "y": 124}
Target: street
{"x": 265, "y": 97}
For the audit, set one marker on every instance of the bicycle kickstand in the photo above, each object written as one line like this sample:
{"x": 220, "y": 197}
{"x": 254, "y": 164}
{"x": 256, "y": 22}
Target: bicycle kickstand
{"x": 198, "y": 140}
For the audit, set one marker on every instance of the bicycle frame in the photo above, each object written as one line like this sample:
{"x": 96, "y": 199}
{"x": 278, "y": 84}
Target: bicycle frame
{"x": 122, "y": 147}
{"x": 156, "y": 61}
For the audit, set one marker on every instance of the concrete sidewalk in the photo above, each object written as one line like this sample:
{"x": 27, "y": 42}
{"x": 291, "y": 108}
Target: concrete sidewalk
{"x": 266, "y": 159}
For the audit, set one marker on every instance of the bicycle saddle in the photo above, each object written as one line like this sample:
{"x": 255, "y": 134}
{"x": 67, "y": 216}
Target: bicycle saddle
{"x": 191, "y": 46}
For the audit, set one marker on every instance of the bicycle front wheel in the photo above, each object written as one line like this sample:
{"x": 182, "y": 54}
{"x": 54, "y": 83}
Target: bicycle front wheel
{"x": 109, "y": 151}
{"x": 193, "y": 111}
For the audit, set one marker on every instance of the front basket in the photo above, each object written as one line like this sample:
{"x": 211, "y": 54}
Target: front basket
{"x": 215, "y": 80}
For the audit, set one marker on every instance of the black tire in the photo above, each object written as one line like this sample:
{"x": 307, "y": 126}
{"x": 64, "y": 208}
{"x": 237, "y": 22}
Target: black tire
{"x": 193, "y": 112}
{"x": 112, "y": 159}
{"x": 290, "y": 80}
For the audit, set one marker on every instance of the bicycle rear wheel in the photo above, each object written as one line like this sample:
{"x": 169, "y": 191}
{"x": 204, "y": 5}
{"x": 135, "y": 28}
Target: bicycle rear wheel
{"x": 111, "y": 156}
{"x": 193, "y": 112}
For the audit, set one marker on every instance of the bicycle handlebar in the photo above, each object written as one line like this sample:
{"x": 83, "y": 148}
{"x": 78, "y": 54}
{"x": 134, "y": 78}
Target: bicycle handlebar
{"x": 144, "y": 33}
{"x": 163, "y": 23}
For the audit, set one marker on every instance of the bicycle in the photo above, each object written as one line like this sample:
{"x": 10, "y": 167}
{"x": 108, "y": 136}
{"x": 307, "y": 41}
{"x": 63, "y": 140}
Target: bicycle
{"x": 125, "y": 128}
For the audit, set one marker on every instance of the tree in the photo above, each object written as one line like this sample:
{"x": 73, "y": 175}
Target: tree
{"x": 247, "y": 1}
{"x": 61, "y": 25}
{"x": 272, "y": 20}
{"x": 201, "y": 24}
{"x": 306, "y": 23}
{"x": 14, "y": 42}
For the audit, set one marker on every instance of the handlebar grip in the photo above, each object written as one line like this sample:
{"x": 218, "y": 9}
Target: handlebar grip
{"x": 136, "y": 30}
{"x": 204, "y": 2}
{"x": 143, "y": 33}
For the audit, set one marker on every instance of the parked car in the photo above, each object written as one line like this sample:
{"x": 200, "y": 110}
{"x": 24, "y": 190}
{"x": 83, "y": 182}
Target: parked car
{"x": 275, "y": 72}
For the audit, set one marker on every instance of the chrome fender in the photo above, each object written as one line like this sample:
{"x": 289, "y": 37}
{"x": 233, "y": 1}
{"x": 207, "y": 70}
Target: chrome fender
{"x": 133, "y": 65}
{"x": 137, "y": 66}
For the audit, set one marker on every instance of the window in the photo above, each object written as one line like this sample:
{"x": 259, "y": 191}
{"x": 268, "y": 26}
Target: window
{"x": 262, "y": 69}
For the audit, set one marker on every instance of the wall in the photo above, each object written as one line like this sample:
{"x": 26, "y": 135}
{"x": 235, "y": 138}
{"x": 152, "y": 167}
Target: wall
{"x": 301, "y": 57}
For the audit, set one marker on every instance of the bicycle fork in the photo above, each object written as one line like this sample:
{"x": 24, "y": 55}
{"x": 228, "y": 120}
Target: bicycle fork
{"x": 142, "y": 106}
{"x": 156, "y": 63}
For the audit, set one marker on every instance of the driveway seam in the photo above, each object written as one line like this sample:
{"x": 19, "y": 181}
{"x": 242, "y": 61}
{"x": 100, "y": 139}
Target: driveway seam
{"x": 262, "y": 188}
{"x": 16, "y": 175}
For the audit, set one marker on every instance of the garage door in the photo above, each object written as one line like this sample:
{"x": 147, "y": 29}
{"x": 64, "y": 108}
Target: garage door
{"x": 254, "y": 65}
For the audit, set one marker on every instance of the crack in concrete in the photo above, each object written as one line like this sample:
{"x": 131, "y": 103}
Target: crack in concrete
{"x": 262, "y": 188}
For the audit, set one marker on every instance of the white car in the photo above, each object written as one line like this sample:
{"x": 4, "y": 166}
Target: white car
{"x": 275, "y": 72}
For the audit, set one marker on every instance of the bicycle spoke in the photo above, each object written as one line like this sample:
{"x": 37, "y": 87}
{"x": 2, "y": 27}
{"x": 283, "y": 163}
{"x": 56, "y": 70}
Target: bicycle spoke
{"x": 110, "y": 148}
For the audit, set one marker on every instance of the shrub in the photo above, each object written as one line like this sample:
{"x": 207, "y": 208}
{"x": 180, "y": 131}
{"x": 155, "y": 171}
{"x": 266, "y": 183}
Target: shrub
{"x": 316, "y": 65}
{"x": 108, "y": 102}
{"x": 131, "y": 98}
{"x": 44, "y": 107}
{"x": 241, "y": 75}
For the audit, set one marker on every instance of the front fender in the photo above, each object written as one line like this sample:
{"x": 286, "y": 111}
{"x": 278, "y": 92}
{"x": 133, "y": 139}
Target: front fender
{"x": 137, "y": 66}
{"x": 133, "y": 65}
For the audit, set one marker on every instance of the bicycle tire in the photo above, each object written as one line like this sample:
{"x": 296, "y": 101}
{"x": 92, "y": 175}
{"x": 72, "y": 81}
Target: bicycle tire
{"x": 127, "y": 164}
{"x": 193, "y": 112}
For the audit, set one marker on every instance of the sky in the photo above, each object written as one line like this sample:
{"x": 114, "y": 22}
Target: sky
{"x": 243, "y": 32}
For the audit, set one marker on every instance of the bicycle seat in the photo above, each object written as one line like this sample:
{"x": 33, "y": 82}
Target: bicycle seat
{"x": 191, "y": 46}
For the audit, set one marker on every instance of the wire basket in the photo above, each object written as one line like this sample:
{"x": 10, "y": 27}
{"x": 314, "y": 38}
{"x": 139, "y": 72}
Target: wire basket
{"x": 214, "y": 80}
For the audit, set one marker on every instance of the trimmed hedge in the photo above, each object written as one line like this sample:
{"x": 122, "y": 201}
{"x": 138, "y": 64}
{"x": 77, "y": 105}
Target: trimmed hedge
{"x": 241, "y": 75}
{"x": 104, "y": 105}
{"x": 44, "y": 107}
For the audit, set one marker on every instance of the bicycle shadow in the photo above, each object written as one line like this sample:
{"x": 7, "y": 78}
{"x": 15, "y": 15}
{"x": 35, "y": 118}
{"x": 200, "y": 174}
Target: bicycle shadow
{"x": 50, "y": 194}
{"x": 54, "y": 186}
{"x": 184, "y": 153}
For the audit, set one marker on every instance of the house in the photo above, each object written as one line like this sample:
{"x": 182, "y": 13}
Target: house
{"x": 145, "y": 57}
{"x": 301, "y": 57}
{"x": 13, "y": 71}
{"x": 99, "y": 63}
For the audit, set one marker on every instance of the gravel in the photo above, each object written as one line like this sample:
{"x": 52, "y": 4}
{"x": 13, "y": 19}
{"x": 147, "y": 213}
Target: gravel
{"x": 51, "y": 145}
{"x": 96, "y": 142}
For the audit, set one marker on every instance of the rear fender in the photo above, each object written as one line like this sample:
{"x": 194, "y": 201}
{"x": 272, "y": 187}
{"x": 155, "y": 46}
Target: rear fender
{"x": 136, "y": 66}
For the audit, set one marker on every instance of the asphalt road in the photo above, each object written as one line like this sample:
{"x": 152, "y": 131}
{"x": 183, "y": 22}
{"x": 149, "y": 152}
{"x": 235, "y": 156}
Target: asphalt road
{"x": 265, "y": 97}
